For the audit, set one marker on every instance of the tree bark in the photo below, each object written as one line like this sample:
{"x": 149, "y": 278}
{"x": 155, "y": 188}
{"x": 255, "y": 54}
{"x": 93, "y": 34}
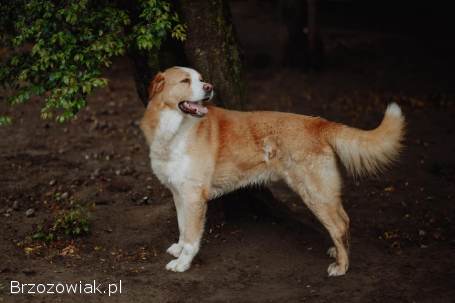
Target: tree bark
{"x": 211, "y": 48}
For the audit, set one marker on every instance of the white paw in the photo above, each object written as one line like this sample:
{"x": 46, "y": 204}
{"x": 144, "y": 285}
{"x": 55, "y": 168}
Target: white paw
{"x": 175, "y": 250}
{"x": 336, "y": 270}
{"x": 178, "y": 265}
{"x": 332, "y": 252}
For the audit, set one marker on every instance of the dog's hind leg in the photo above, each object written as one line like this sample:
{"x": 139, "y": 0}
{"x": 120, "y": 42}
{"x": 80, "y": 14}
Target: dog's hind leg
{"x": 319, "y": 187}
{"x": 193, "y": 209}
{"x": 332, "y": 218}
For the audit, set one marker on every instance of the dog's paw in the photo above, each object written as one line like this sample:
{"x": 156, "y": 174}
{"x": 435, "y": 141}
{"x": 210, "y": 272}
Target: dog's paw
{"x": 175, "y": 250}
{"x": 335, "y": 270}
{"x": 332, "y": 252}
{"x": 178, "y": 265}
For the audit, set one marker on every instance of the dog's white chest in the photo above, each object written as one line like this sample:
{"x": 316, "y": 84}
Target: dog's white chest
{"x": 168, "y": 151}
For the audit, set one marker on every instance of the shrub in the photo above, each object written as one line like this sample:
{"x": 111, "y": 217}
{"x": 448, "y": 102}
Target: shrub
{"x": 57, "y": 49}
{"x": 73, "y": 222}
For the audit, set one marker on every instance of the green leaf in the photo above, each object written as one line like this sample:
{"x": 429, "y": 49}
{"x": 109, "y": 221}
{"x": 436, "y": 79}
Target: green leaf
{"x": 5, "y": 120}
{"x": 59, "y": 48}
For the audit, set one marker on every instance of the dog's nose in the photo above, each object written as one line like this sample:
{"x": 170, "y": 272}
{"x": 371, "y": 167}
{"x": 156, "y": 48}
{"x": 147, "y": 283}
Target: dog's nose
{"x": 207, "y": 87}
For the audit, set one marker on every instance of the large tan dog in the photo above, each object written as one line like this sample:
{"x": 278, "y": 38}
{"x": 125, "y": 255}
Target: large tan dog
{"x": 200, "y": 152}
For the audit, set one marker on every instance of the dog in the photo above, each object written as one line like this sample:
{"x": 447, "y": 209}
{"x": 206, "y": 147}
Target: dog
{"x": 200, "y": 151}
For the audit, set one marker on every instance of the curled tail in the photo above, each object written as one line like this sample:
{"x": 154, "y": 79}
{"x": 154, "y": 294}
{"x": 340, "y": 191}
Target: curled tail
{"x": 365, "y": 152}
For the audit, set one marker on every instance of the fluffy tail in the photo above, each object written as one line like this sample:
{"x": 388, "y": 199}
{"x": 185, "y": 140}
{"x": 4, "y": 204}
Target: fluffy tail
{"x": 369, "y": 152}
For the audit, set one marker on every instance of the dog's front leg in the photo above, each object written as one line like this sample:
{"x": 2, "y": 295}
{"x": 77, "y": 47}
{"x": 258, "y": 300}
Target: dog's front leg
{"x": 192, "y": 217}
{"x": 176, "y": 248}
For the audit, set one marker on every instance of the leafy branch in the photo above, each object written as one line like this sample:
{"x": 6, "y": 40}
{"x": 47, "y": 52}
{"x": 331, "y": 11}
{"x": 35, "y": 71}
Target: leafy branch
{"x": 57, "y": 49}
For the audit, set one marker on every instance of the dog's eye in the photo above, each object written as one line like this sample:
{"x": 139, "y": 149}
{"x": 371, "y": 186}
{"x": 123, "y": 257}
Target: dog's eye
{"x": 185, "y": 81}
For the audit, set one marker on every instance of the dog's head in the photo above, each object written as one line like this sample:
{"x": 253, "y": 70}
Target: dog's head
{"x": 182, "y": 88}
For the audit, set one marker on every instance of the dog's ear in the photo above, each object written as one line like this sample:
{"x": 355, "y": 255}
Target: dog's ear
{"x": 156, "y": 85}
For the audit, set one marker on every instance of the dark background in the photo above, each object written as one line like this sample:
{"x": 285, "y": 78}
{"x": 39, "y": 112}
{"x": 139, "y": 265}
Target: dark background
{"x": 403, "y": 234}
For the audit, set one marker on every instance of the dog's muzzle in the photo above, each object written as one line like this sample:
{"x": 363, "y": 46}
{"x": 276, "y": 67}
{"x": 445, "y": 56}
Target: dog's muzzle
{"x": 197, "y": 108}
{"x": 193, "y": 108}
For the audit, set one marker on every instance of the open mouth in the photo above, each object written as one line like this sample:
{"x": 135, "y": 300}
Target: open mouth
{"x": 194, "y": 108}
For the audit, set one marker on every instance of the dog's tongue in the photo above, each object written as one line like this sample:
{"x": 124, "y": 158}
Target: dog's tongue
{"x": 195, "y": 108}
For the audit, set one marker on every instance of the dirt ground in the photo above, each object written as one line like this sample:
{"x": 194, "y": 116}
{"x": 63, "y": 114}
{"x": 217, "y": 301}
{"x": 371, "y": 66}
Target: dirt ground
{"x": 403, "y": 234}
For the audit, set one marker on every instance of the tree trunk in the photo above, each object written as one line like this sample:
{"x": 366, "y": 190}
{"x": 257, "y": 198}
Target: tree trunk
{"x": 211, "y": 48}
{"x": 304, "y": 48}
